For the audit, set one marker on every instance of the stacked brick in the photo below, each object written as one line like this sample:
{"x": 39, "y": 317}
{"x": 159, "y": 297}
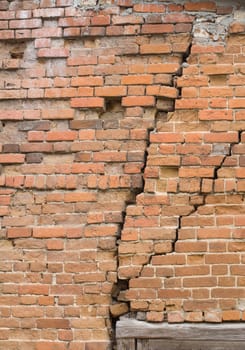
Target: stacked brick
{"x": 182, "y": 244}
{"x": 109, "y": 109}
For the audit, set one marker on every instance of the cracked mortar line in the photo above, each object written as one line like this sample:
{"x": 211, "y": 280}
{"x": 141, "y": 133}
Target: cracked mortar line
{"x": 204, "y": 22}
{"x": 194, "y": 38}
{"x": 179, "y": 74}
{"x": 201, "y": 193}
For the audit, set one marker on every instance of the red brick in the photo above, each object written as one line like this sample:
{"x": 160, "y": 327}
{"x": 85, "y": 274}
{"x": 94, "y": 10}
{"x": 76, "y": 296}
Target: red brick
{"x": 137, "y": 79}
{"x": 25, "y": 23}
{"x": 131, "y": 101}
{"x": 190, "y": 103}
{"x": 114, "y": 30}
{"x": 52, "y": 323}
{"x": 57, "y": 114}
{"x": 49, "y": 232}
{"x": 100, "y": 20}
{"x": 72, "y": 32}
{"x": 155, "y": 48}
{"x": 47, "y": 32}
{"x": 125, "y": 3}
{"x": 149, "y": 8}
{"x": 111, "y": 91}
{"x": 200, "y": 6}
{"x": 89, "y": 102}
{"x": 61, "y": 135}
{"x": 12, "y": 158}
{"x": 19, "y": 232}
{"x": 53, "y": 52}
{"x": 11, "y": 115}
{"x": 74, "y": 22}
{"x": 87, "y": 81}
{"x": 84, "y": 60}
{"x": 51, "y": 12}
{"x": 127, "y": 19}
{"x": 163, "y": 68}
{"x": 157, "y": 28}
{"x": 216, "y": 115}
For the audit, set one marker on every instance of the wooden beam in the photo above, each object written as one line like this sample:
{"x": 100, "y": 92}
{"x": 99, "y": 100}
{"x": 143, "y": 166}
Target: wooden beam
{"x": 225, "y": 332}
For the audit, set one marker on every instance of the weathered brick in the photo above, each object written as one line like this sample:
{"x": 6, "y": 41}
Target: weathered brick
{"x": 111, "y": 130}
{"x": 89, "y": 102}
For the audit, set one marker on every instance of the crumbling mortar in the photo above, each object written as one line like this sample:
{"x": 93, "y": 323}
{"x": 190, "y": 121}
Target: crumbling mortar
{"x": 229, "y": 154}
{"x": 151, "y": 255}
{"x": 222, "y": 33}
{"x": 197, "y": 206}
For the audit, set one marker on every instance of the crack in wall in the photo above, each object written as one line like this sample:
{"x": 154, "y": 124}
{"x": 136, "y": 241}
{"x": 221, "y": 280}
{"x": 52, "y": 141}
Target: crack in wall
{"x": 159, "y": 111}
{"x": 208, "y": 35}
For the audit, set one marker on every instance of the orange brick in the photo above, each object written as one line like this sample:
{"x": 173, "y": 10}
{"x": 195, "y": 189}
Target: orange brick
{"x": 48, "y": 232}
{"x": 111, "y": 91}
{"x": 12, "y": 158}
{"x": 84, "y": 81}
{"x": 216, "y": 114}
{"x": 200, "y": 6}
{"x": 137, "y": 80}
{"x": 61, "y": 135}
{"x": 87, "y": 102}
{"x": 19, "y": 232}
{"x": 131, "y": 101}
{"x": 53, "y": 52}
{"x": 155, "y": 48}
{"x": 149, "y": 8}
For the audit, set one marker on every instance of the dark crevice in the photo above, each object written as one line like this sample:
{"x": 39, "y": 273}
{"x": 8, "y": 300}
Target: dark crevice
{"x": 215, "y": 177}
{"x": 163, "y": 106}
{"x": 184, "y": 64}
{"x": 229, "y": 154}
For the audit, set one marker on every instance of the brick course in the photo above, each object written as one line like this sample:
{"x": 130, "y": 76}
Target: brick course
{"x": 122, "y": 168}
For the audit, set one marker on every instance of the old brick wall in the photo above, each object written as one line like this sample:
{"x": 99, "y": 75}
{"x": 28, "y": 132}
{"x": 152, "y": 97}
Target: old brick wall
{"x": 122, "y": 167}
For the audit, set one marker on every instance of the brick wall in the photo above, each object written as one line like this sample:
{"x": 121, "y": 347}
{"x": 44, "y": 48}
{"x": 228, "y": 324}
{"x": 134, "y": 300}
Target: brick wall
{"x": 122, "y": 167}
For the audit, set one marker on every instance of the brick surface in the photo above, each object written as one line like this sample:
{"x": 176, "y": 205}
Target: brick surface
{"x": 121, "y": 167}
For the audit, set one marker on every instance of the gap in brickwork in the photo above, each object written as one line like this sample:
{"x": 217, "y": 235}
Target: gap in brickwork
{"x": 198, "y": 197}
{"x": 165, "y": 108}
{"x": 73, "y": 165}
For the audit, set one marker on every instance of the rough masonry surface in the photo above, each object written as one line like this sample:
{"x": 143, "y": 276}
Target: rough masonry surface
{"x": 121, "y": 167}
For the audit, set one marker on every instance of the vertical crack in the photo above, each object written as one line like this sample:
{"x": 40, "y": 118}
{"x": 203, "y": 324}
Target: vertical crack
{"x": 161, "y": 113}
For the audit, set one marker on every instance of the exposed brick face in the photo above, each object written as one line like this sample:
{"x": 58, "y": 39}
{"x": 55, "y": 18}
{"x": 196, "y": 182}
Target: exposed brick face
{"x": 121, "y": 168}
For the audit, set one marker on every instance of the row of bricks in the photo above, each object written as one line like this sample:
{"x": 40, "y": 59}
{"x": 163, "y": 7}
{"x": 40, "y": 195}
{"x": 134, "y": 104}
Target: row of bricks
{"x": 28, "y": 20}
{"x": 183, "y": 282}
{"x": 194, "y": 316}
{"x": 111, "y": 73}
{"x": 7, "y": 34}
{"x": 90, "y": 59}
{"x": 194, "y": 270}
{"x": 151, "y": 292}
{"x": 189, "y": 185}
{"x": 127, "y": 101}
{"x": 106, "y": 156}
{"x": 224, "y": 184}
{"x": 136, "y": 99}
{"x": 193, "y": 282}
{"x": 59, "y": 9}
{"x": 86, "y": 148}
{"x": 39, "y": 182}
{"x": 106, "y": 58}
{"x": 33, "y": 122}
{"x": 57, "y": 232}
{"x": 139, "y": 80}
{"x": 183, "y": 142}
{"x": 187, "y": 241}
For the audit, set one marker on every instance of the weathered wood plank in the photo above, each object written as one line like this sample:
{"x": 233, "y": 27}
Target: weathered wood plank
{"x": 142, "y": 344}
{"x": 161, "y": 344}
{"x": 126, "y": 344}
{"x": 129, "y": 328}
